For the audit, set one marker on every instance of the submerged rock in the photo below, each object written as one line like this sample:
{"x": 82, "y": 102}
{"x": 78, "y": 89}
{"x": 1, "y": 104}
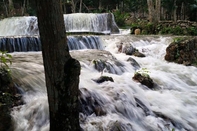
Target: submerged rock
{"x": 138, "y": 54}
{"x": 103, "y": 79}
{"x": 119, "y": 126}
{"x": 114, "y": 66}
{"x": 133, "y": 63}
{"x": 89, "y": 103}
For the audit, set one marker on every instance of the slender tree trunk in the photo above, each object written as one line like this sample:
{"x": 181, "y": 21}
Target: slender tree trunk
{"x": 174, "y": 12}
{"x": 182, "y": 11}
{"x": 61, "y": 70}
{"x": 11, "y": 8}
{"x": 10, "y": 4}
{"x": 6, "y": 9}
{"x": 100, "y": 5}
{"x": 24, "y": 4}
{"x": 74, "y": 4}
{"x": 80, "y": 6}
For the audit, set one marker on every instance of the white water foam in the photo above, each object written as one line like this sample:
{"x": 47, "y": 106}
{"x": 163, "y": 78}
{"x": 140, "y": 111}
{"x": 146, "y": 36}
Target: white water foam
{"x": 129, "y": 105}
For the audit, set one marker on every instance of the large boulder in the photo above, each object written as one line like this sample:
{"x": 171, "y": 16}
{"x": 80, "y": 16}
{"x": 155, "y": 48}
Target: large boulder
{"x": 182, "y": 51}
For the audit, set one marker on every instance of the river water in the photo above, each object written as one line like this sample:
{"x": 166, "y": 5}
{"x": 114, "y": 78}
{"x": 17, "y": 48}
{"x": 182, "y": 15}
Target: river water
{"x": 122, "y": 105}
{"x": 128, "y": 105}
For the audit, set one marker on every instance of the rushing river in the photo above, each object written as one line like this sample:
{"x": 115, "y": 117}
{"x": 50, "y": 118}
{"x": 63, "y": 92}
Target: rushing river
{"x": 122, "y": 105}
{"x": 128, "y": 105}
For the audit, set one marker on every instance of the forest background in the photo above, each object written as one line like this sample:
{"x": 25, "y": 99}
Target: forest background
{"x": 152, "y": 16}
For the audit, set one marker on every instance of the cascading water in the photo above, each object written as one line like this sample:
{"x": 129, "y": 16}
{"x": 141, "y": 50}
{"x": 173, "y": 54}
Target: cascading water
{"x": 24, "y": 44}
{"x": 78, "y": 22}
{"x": 15, "y": 26}
{"x": 81, "y": 22}
{"x": 122, "y": 105}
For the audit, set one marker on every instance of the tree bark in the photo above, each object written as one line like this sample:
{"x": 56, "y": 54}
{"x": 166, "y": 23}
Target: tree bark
{"x": 150, "y": 10}
{"x": 74, "y": 4}
{"x": 100, "y": 4}
{"x": 6, "y": 9}
{"x": 11, "y": 8}
{"x": 23, "y": 8}
{"x": 61, "y": 70}
{"x": 158, "y": 10}
{"x": 174, "y": 12}
{"x": 154, "y": 10}
{"x": 80, "y": 6}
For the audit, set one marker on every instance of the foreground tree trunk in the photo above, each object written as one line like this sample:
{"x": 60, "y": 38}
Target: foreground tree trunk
{"x": 61, "y": 70}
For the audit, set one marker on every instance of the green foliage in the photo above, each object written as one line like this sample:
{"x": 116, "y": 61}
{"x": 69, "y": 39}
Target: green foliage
{"x": 143, "y": 71}
{"x": 192, "y": 31}
{"x": 165, "y": 30}
{"x": 178, "y": 39}
{"x": 31, "y": 11}
{"x": 4, "y": 59}
{"x": 120, "y": 17}
{"x": 149, "y": 28}
{"x": 177, "y": 30}
{"x": 6, "y": 99}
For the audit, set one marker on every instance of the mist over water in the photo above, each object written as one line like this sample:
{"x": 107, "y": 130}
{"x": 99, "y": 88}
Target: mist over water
{"x": 128, "y": 105}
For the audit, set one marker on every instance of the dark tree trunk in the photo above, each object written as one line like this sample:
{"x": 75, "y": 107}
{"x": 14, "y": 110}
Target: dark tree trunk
{"x": 61, "y": 70}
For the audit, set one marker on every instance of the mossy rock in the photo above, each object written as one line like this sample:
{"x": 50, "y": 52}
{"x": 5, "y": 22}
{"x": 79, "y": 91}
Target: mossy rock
{"x": 182, "y": 51}
{"x": 144, "y": 80}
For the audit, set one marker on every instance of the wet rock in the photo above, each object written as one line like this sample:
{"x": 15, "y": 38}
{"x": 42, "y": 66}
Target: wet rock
{"x": 128, "y": 49}
{"x": 138, "y": 54}
{"x": 103, "y": 79}
{"x": 175, "y": 123}
{"x": 144, "y": 79}
{"x": 141, "y": 105}
{"x": 105, "y": 66}
{"x": 133, "y": 63}
{"x": 182, "y": 51}
{"x": 119, "y": 126}
{"x": 89, "y": 104}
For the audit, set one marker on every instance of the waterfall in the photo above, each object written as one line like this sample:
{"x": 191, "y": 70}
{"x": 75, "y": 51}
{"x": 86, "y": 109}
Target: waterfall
{"x": 79, "y": 22}
{"x": 24, "y": 44}
{"x": 124, "y": 104}
{"x": 15, "y": 26}
{"x": 20, "y": 44}
{"x": 84, "y": 42}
